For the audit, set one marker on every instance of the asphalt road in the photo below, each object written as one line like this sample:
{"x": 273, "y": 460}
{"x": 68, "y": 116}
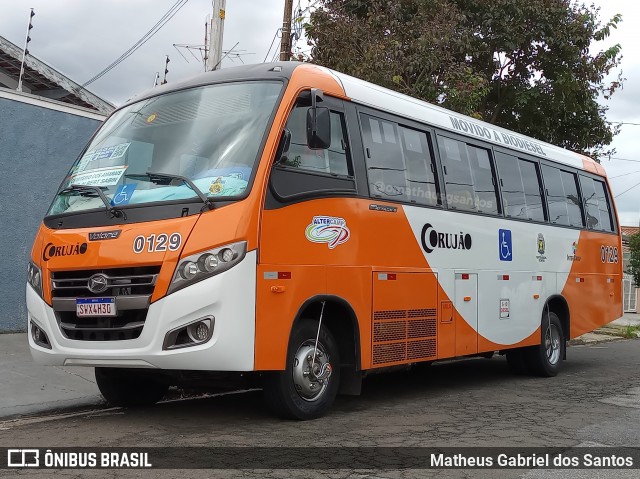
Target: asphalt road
{"x": 594, "y": 401}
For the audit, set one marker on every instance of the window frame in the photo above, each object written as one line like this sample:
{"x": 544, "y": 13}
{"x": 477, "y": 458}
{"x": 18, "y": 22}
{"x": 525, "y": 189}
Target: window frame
{"x": 610, "y": 205}
{"x": 411, "y": 124}
{"x": 494, "y": 171}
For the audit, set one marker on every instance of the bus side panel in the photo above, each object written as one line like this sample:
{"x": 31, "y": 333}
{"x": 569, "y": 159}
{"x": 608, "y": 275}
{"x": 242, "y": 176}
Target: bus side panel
{"x": 593, "y": 288}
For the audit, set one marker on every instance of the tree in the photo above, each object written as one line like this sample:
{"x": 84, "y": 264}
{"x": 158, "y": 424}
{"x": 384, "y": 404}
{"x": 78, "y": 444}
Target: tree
{"x": 634, "y": 259}
{"x": 526, "y": 65}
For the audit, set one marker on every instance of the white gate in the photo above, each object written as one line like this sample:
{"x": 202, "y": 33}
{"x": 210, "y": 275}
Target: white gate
{"x": 629, "y": 295}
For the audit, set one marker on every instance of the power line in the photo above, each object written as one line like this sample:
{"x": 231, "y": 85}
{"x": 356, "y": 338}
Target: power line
{"x": 622, "y": 159}
{"x": 175, "y": 8}
{"x": 624, "y": 174}
{"x": 629, "y": 189}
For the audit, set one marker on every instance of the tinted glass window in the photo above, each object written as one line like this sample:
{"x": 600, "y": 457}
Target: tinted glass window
{"x": 569, "y": 182}
{"x": 332, "y": 160}
{"x": 596, "y": 202}
{"x": 531, "y": 182}
{"x": 606, "y": 215}
{"x": 591, "y": 203}
{"x": 399, "y": 162}
{"x": 562, "y": 197}
{"x": 515, "y": 205}
{"x": 420, "y": 166}
{"x": 468, "y": 177}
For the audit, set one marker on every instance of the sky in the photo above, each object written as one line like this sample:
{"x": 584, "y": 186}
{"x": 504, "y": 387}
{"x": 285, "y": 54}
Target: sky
{"x": 81, "y": 37}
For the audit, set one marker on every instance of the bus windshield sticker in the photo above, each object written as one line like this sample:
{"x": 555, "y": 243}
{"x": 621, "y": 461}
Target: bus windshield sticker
{"x": 328, "y": 229}
{"x": 123, "y": 194}
{"x": 99, "y": 177}
{"x": 505, "y": 245}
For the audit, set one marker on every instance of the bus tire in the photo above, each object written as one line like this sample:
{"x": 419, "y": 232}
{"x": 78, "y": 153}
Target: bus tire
{"x": 292, "y": 393}
{"x": 545, "y": 360}
{"x": 129, "y": 387}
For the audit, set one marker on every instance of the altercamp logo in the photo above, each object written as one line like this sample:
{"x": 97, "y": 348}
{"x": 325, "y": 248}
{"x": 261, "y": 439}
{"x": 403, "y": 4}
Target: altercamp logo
{"x": 328, "y": 229}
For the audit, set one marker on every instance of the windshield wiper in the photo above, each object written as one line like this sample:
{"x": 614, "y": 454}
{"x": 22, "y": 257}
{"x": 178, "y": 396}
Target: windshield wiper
{"x": 167, "y": 178}
{"x": 95, "y": 192}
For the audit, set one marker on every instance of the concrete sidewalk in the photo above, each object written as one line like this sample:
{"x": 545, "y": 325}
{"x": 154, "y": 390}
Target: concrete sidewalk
{"x": 28, "y": 388}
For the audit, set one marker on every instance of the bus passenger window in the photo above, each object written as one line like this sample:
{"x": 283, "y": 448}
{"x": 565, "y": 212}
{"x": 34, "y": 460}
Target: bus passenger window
{"x": 562, "y": 197}
{"x": 597, "y": 207}
{"x": 421, "y": 181}
{"x": 532, "y": 188}
{"x": 520, "y": 188}
{"x": 468, "y": 177}
{"x": 332, "y": 160}
{"x": 604, "y": 206}
{"x": 569, "y": 181}
{"x": 385, "y": 162}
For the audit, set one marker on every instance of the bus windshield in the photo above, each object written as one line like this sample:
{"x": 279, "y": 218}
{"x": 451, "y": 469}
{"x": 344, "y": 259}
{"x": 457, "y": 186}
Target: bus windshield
{"x": 210, "y": 135}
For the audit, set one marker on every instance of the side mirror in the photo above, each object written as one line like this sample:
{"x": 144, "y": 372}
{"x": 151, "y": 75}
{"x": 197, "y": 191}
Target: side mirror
{"x": 318, "y": 124}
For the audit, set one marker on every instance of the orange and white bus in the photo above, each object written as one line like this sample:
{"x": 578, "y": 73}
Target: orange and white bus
{"x": 302, "y": 227}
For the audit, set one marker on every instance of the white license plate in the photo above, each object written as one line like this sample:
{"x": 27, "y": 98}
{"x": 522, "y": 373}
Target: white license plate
{"x": 86, "y": 307}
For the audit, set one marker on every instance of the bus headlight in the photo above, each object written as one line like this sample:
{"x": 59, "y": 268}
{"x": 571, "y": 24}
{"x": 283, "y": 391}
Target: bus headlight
{"x": 203, "y": 265}
{"x": 34, "y": 278}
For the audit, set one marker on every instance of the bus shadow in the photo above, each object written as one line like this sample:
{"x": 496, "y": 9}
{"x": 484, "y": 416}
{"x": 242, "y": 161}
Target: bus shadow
{"x": 384, "y": 390}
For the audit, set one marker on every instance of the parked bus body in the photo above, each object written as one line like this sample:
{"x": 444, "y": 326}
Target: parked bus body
{"x": 418, "y": 235}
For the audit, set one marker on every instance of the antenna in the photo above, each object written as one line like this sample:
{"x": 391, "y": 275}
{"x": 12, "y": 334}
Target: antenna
{"x": 25, "y": 52}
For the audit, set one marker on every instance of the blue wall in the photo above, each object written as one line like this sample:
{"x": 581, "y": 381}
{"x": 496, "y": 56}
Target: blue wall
{"x": 37, "y": 148}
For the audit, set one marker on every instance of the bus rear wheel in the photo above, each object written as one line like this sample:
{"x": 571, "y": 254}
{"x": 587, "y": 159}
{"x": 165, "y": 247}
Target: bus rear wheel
{"x": 546, "y": 359}
{"x": 307, "y": 388}
{"x": 129, "y": 387}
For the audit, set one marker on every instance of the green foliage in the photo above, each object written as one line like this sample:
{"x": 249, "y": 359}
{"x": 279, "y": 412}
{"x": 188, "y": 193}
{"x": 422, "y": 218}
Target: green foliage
{"x": 527, "y": 65}
{"x": 634, "y": 260}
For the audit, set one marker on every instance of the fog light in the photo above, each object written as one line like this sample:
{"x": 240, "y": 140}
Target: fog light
{"x": 189, "y": 270}
{"x": 197, "y": 332}
{"x": 39, "y": 336}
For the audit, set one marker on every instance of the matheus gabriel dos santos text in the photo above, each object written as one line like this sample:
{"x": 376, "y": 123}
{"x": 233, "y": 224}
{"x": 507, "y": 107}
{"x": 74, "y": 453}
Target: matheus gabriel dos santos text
{"x": 531, "y": 460}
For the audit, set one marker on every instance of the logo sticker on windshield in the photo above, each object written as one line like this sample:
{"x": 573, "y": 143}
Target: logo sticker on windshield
{"x": 123, "y": 194}
{"x": 328, "y": 229}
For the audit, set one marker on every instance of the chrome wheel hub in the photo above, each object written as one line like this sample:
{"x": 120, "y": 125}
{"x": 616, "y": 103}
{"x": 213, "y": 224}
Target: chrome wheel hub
{"x": 552, "y": 344}
{"x": 310, "y": 377}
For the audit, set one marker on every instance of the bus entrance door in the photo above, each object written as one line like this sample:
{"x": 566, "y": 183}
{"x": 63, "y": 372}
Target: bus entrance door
{"x": 466, "y": 313}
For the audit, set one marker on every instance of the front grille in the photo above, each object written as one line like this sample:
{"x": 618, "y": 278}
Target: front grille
{"x": 120, "y": 281}
{"x": 132, "y": 289}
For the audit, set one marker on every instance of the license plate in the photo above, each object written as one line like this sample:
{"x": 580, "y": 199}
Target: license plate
{"x": 86, "y": 307}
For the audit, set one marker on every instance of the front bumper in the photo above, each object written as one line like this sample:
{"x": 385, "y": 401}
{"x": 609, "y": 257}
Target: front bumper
{"x": 229, "y": 297}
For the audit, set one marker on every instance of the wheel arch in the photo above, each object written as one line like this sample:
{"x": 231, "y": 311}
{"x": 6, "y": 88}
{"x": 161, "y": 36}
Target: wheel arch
{"x": 557, "y": 304}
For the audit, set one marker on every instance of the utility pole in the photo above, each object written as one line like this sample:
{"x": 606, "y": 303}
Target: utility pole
{"x": 217, "y": 32}
{"x": 285, "y": 44}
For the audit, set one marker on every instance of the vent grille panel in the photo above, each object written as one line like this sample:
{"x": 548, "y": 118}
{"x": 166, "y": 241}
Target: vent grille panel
{"x": 402, "y": 336}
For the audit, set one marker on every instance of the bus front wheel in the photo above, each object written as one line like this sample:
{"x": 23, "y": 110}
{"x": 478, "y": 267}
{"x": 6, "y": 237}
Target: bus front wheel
{"x": 308, "y": 386}
{"x": 129, "y": 387}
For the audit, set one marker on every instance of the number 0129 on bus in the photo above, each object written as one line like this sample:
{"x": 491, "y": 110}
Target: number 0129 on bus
{"x": 300, "y": 227}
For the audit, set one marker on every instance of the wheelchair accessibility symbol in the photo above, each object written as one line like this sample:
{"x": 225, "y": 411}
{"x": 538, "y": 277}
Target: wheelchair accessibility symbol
{"x": 123, "y": 195}
{"x": 505, "y": 245}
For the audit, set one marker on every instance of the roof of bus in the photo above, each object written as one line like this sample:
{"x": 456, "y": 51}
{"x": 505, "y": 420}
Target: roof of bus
{"x": 382, "y": 98}
{"x": 391, "y": 101}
